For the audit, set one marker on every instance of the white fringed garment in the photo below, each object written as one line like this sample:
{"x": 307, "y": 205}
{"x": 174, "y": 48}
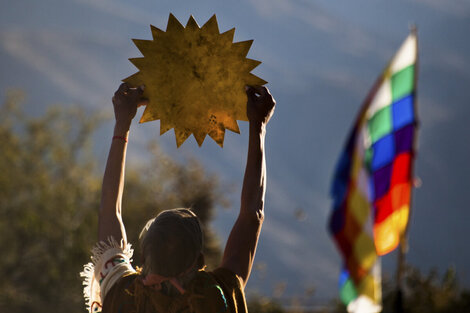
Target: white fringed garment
{"x": 110, "y": 261}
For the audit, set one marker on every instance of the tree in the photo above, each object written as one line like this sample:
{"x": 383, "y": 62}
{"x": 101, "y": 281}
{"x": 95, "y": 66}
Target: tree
{"x": 260, "y": 304}
{"x": 428, "y": 293}
{"x": 422, "y": 293}
{"x": 49, "y": 197}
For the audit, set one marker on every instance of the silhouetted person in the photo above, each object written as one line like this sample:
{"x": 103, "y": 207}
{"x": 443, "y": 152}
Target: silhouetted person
{"x": 172, "y": 277}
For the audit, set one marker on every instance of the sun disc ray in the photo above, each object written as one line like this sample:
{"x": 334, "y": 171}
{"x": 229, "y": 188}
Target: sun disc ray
{"x": 156, "y": 32}
{"x": 251, "y": 64}
{"x": 143, "y": 45}
{"x": 254, "y": 80}
{"x": 211, "y": 26}
{"x": 181, "y": 136}
{"x": 218, "y": 136}
{"x": 164, "y": 127}
{"x": 200, "y": 136}
{"x": 174, "y": 25}
{"x": 192, "y": 24}
{"x": 228, "y": 35}
{"x": 242, "y": 47}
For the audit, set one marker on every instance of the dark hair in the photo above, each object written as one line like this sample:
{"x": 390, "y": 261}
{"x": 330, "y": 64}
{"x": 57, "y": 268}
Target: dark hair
{"x": 171, "y": 243}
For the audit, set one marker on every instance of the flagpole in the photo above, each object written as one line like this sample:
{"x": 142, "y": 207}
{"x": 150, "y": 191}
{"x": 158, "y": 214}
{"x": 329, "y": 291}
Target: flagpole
{"x": 403, "y": 247}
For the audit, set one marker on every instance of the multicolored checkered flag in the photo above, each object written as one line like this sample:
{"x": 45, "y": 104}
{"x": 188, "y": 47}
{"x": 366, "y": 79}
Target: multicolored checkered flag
{"x": 373, "y": 180}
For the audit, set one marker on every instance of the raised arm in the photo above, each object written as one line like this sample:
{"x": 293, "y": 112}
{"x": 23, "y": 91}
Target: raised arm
{"x": 241, "y": 245}
{"x": 125, "y": 102}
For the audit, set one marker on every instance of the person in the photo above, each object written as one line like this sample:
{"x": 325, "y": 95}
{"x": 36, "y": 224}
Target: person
{"x": 172, "y": 277}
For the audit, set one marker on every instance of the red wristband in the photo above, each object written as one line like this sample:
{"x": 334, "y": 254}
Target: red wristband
{"x": 120, "y": 137}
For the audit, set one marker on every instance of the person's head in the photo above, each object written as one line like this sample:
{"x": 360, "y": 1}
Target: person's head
{"x": 171, "y": 243}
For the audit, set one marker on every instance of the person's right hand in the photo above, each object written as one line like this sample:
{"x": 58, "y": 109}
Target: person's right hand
{"x": 260, "y": 105}
{"x": 125, "y": 102}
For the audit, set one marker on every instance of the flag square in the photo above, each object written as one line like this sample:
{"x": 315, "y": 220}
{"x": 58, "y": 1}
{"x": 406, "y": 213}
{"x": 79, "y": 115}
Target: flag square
{"x": 380, "y": 124}
{"x": 337, "y": 220}
{"x": 351, "y": 228}
{"x": 343, "y": 277}
{"x": 356, "y": 271}
{"x": 404, "y": 139}
{"x": 403, "y": 112}
{"x": 359, "y": 204}
{"x": 344, "y": 243}
{"x": 340, "y": 184}
{"x": 364, "y": 250}
{"x": 403, "y": 83}
{"x": 347, "y": 290}
{"x": 386, "y": 234}
{"x": 382, "y": 98}
{"x": 372, "y": 190}
{"x": 368, "y": 287}
{"x": 400, "y": 195}
{"x": 383, "y": 152}
{"x": 383, "y": 208}
{"x": 382, "y": 181}
{"x": 405, "y": 56}
{"x": 368, "y": 158}
{"x": 401, "y": 169}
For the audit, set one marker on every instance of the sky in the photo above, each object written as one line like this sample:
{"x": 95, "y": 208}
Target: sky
{"x": 320, "y": 59}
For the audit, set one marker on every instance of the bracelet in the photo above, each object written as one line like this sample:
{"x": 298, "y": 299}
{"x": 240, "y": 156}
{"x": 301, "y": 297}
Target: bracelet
{"x": 120, "y": 137}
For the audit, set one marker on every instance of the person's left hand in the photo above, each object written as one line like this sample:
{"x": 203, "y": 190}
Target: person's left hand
{"x": 125, "y": 102}
{"x": 260, "y": 105}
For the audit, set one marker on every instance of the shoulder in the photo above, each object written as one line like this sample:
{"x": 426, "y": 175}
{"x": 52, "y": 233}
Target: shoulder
{"x": 232, "y": 287}
{"x": 226, "y": 277}
{"x": 121, "y": 294}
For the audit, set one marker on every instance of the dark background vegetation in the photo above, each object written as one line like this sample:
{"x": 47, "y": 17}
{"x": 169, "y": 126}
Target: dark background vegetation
{"x": 49, "y": 196}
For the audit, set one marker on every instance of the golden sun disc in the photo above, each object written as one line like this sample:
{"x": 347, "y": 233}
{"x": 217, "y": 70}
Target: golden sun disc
{"x": 195, "y": 79}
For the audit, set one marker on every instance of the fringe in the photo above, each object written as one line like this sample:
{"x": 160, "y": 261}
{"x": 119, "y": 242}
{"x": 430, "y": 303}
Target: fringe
{"x": 101, "y": 247}
{"x": 88, "y": 275}
{"x": 91, "y": 289}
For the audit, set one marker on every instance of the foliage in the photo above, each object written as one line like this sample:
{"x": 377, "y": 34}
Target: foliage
{"x": 49, "y": 196}
{"x": 428, "y": 293}
{"x": 423, "y": 293}
{"x": 264, "y": 305}
{"x": 47, "y": 201}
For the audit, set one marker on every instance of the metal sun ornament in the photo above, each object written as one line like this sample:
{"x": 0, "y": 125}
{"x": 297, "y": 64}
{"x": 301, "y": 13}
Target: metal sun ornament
{"x": 195, "y": 79}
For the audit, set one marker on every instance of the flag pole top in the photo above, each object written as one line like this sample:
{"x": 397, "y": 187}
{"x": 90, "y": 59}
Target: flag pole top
{"x": 413, "y": 28}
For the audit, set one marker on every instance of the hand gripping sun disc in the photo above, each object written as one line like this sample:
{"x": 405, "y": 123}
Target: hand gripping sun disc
{"x": 195, "y": 79}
